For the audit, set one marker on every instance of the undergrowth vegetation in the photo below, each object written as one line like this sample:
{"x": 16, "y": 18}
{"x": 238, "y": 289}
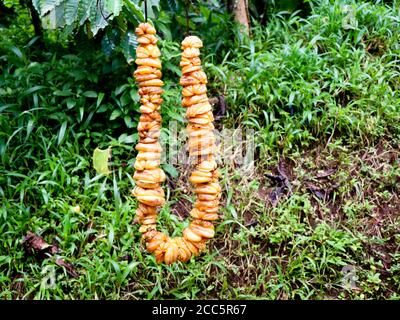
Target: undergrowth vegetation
{"x": 319, "y": 211}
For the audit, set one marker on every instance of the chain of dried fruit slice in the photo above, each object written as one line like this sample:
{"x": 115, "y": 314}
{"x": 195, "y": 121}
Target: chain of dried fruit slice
{"x": 148, "y": 175}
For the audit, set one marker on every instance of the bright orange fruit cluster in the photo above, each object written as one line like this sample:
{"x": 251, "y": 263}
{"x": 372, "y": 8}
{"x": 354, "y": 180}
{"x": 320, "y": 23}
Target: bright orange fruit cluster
{"x": 202, "y": 148}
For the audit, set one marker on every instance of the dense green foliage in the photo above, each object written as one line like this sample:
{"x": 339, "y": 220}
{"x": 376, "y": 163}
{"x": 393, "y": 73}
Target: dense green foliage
{"x": 321, "y": 91}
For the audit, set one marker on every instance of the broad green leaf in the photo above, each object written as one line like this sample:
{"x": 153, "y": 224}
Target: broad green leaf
{"x": 71, "y": 11}
{"x": 113, "y": 6}
{"x": 97, "y": 17}
{"x": 48, "y": 5}
{"x": 54, "y": 18}
{"x": 84, "y": 10}
{"x": 134, "y": 9}
{"x": 153, "y": 6}
{"x": 129, "y": 44}
{"x": 101, "y": 160}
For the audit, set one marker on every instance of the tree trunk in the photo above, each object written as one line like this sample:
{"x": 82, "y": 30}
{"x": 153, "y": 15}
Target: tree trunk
{"x": 37, "y": 23}
{"x": 241, "y": 11}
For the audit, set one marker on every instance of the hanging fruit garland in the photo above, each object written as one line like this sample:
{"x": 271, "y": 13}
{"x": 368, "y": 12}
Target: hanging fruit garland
{"x": 148, "y": 175}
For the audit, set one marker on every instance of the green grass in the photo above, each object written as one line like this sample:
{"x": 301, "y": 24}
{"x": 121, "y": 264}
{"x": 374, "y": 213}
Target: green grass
{"x": 323, "y": 99}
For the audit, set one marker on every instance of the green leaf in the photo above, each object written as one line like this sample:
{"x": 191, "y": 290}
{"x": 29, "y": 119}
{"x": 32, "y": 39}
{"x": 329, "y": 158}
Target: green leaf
{"x": 171, "y": 170}
{"x": 175, "y": 116}
{"x": 153, "y": 6}
{"x": 115, "y": 114}
{"x": 48, "y": 5}
{"x": 90, "y": 94}
{"x": 63, "y": 93}
{"x": 134, "y": 9}
{"x": 61, "y": 133}
{"x": 124, "y": 138}
{"x": 99, "y": 99}
{"x": 232, "y": 211}
{"x": 70, "y": 103}
{"x": 128, "y": 121}
{"x": 84, "y": 10}
{"x": 122, "y": 22}
{"x": 120, "y": 89}
{"x": 110, "y": 242}
{"x": 81, "y": 112}
{"x": 113, "y": 6}
{"x": 165, "y": 30}
{"x": 116, "y": 267}
{"x": 129, "y": 44}
{"x": 125, "y": 99}
{"x": 170, "y": 66}
{"x": 33, "y": 89}
{"x": 71, "y": 11}
{"x": 54, "y": 18}
{"x": 129, "y": 269}
{"x": 103, "y": 108}
{"x": 117, "y": 196}
{"x": 17, "y": 52}
{"x": 29, "y": 128}
{"x": 101, "y": 160}
{"x": 97, "y": 17}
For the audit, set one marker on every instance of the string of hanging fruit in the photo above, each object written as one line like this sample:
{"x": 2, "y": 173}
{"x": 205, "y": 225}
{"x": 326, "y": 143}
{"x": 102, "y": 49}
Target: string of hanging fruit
{"x": 148, "y": 175}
